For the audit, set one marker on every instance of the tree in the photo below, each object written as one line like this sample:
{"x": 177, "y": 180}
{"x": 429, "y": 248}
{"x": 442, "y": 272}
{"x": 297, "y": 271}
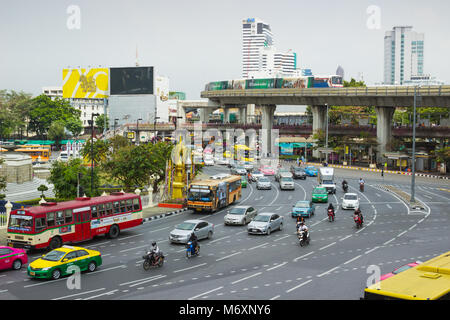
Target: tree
{"x": 42, "y": 188}
{"x": 99, "y": 151}
{"x": 64, "y": 177}
{"x": 56, "y": 132}
{"x": 443, "y": 155}
{"x": 75, "y": 126}
{"x": 100, "y": 122}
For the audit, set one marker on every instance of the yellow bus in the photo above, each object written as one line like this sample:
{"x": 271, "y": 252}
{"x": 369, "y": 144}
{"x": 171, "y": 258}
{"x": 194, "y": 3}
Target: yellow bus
{"x": 214, "y": 193}
{"x": 429, "y": 280}
{"x": 36, "y": 154}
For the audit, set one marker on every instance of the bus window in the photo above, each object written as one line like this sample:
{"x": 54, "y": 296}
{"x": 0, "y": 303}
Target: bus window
{"x": 130, "y": 205}
{"x": 136, "y": 205}
{"x": 101, "y": 210}
{"x": 123, "y": 207}
{"x": 108, "y": 208}
{"x": 116, "y": 207}
{"x": 39, "y": 224}
{"x": 94, "y": 211}
{"x": 59, "y": 218}
{"x": 51, "y": 219}
{"x": 68, "y": 216}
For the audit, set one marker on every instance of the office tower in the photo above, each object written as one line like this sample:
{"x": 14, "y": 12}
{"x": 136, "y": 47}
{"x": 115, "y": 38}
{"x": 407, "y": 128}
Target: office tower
{"x": 403, "y": 54}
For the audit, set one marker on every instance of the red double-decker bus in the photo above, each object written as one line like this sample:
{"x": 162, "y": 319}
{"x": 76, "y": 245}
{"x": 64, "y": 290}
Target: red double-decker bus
{"x": 54, "y": 224}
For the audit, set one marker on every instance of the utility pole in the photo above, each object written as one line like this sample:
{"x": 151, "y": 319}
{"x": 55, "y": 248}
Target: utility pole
{"x": 92, "y": 151}
{"x": 413, "y": 177}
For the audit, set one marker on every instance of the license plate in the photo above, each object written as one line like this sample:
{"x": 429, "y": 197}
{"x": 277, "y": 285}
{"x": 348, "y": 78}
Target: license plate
{"x": 32, "y": 273}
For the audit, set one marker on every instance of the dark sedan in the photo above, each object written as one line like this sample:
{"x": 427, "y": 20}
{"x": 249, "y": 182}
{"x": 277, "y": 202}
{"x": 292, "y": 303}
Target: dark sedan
{"x": 298, "y": 173}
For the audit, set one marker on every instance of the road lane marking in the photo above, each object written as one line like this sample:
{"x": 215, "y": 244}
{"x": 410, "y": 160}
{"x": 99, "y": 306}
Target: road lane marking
{"x": 346, "y": 237}
{"x": 300, "y": 285}
{"x": 199, "y": 265}
{"x": 219, "y": 239}
{"x": 149, "y": 280}
{"x": 326, "y": 272}
{"x": 202, "y": 294}
{"x": 261, "y": 245}
{"x": 282, "y": 237}
{"x": 369, "y": 251}
{"x": 226, "y": 257}
{"x": 253, "y": 275}
{"x": 329, "y": 245}
{"x": 78, "y": 294}
{"x": 139, "y": 280}
{"x": 280, "y": 265}
{"x": 305, "y": 255}
{"x": 103, "y": 294}
{"x": 158, "y": 229}
{"x": 353, "y": 259}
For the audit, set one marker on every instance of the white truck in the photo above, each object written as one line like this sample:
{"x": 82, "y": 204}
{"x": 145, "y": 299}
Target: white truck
{"x": 326, "y": 179}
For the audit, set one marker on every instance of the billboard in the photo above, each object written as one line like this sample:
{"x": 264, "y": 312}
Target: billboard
{"x": 135, "y": 80}
{"x": 86, "y": 83}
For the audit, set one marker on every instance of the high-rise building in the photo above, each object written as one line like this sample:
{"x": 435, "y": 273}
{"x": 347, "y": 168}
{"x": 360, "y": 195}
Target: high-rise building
{"x": 403, "y": 55}
{"x": 256, "y": 34}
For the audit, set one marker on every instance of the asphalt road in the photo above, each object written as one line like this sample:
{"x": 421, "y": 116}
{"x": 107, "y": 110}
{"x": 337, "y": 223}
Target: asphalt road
{"x": 236, "y": 266}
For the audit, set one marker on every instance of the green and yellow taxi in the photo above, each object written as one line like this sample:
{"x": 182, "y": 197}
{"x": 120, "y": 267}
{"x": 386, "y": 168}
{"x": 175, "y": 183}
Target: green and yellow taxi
{"x": 64, "y": 261}
{"x": 320, "y": 194}
{"x": 243, "y": 182}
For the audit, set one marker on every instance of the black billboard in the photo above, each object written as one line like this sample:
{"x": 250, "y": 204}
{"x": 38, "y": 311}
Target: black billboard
{"x": 134, "y": 80}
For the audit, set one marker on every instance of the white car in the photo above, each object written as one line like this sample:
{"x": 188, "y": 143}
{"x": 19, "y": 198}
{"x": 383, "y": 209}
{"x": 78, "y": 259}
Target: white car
{"x": 350, "y": 201}
{"x": 209, "y": 161}
{"x": 63, "y": 156}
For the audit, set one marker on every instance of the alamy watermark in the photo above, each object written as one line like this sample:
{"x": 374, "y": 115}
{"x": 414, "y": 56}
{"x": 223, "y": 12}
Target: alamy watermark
{"x": 374, "y": 20}
{"x": 74, "y": 19}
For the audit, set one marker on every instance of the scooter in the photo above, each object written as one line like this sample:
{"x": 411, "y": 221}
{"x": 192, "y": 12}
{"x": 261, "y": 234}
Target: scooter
{"x": 361, "y": 186}
{"x": 345, "y": 188}
{"x": 191, "y": 251}
{"x": 330, "y": 215}
{"x": 152, "y": 261}
{"x": 302, "y": 241}
{"x": 358, "y": 221}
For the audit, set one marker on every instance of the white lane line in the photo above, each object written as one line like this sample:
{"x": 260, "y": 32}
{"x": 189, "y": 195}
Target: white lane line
{"x": 346, "y": 237}
{"x": 369, "y": 251}
{"x": 2, "y": 291}
{"x": 103, "y": 294}
{"x": 300, "y": 285}
{"x": 261, "y": 245}
{"x": 326, "y": 272}
{"x": 219, "y": 239}
{"x": 149, "y": 280}
{"x": 156, "y": 230}
{"x": 226, "y": 257}
{"x": 280, "y": 265}
{"x": 204, "y": 293}
{"x": 305, "y": 255}
{"x": 136, "y": 235}
{"x": 389, "y": 206}
{"x": 401, "y": 233}
{"x": 353, "y": 259}
{"x": 199, "y": 265}
{"x": 282, "y": 237}
{"x": 253, "y": 275}
{"x": 274, "y": 298}
{"x": 139, "y": 280}
{"x": 78, "y": 294}
{"x": 329, "y": 245}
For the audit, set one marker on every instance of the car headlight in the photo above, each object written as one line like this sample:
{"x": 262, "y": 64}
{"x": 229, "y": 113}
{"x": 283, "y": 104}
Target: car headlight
{"x": 45, "y": 269}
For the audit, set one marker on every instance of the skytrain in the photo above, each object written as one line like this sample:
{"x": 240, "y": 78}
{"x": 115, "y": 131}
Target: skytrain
{"x": 277, "y": 83}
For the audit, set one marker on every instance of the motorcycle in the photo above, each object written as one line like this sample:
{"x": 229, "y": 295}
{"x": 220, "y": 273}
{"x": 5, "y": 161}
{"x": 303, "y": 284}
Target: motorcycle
{"x": 301, "y": 238}
{"x": 330, "y": 215}
{"x": 152, "y": 261}
{"x": 361, "y": 186}
{"x": 191, "y": 251}
{"x": 345, "y": 187}
{"x": 358, "y": 221}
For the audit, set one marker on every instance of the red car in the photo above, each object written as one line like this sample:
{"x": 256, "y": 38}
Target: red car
{"x": 12, "y": 258}
{"x": 399, "y": 269}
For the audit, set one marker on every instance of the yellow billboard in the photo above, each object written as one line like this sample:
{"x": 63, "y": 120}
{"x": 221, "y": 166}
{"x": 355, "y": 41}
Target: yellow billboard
{"x": 86, "y": 83}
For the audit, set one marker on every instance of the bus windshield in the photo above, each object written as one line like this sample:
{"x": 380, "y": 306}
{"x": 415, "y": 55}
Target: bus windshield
{"x": 20, "y": 222}
{"x": 199, "y": 194}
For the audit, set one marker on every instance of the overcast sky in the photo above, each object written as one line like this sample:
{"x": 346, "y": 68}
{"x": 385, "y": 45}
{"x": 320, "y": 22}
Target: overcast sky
{"x": 194, "y": 42}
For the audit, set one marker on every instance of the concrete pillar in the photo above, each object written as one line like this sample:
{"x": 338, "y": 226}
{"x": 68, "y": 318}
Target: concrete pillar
{"x": 251, "y": 113}
{"x": 226, "y": 114}
{"x": 384, "y": 130}
{"x": 243, "y": 115}
{"x": 319, "y": 122}
{"x": 267, "y": 112}
{"x": 204, "y": 114}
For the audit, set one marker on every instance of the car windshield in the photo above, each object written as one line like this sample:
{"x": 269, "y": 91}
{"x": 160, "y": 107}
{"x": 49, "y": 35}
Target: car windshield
{"x": 320, "y": 190}
{"x": 286, "y": 179}
{"x": 185, "y": 226}
{"x": 263, "y": 179}
{"x": 327, "y": 181}
{"x": 240, "y": 168}
{"x": 256, "y": 172}
{"x": 298, "y": 169}
{"x": 302, "y": 204}
{"x": 350, "y": 197}
{"x": 54, "y": 255}
{"x": 237, "y": 211}
{"x": 262, "y": 218}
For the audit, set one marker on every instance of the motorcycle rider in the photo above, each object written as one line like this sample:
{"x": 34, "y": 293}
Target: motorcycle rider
{"x": 193, "y": 238}
{"x": 304, "y": 228}
{"x": 154, "y": 252}
{"x": 344, "y": 184}
{"x": 330, "y": 207}
{"x": 361, "y": 184}
{"x": 359, "y": 214}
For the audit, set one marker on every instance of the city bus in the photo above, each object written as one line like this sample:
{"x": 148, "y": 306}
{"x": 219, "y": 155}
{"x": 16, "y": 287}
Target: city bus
{"x": 429, "y": 280}
{"x": 53, "y": 224}
{"x": 36, "y": 154}
{"x": 214, "y": 193}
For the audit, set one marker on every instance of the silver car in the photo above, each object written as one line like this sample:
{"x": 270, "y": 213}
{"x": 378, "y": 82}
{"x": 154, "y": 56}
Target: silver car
{"x": 256, "y": 174}
{"x": 263, "y": 183}
{"x": 239, "y": 170}
{"x": 240, "y": 215}
{"x": 287, "y": 183}
{"x": 265, "y": 223}
{"x": 182, "y": 232}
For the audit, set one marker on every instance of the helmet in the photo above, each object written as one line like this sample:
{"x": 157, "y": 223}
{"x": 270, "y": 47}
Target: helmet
{"x": 154, "y": 243}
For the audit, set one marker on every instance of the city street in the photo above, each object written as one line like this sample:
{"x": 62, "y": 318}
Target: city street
{"x": 236, "y": 266}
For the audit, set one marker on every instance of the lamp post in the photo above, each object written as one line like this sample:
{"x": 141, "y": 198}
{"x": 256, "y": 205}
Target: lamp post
{"x": 154, "y": 126}
{"x": 92, "y": 150}
{"x": 115, "y": 124}
{"x": 413, "y": 176}
{"x": 326, "y": 138}
{"x": 137, "y": 131}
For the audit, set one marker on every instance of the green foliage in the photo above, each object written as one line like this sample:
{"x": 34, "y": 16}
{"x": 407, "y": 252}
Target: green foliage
{"x": 56, "y": 131}
{"x": 42, "y": 188}
{"x": 75, "y": 126}
{"x": 354, "y": 83}
{"x": 64, "y": 177}
{"x": 100, "y": 122}
{"x": 99, "y": 151}
{"x": 14, "y": 111}
{"x": 443, "y": 155}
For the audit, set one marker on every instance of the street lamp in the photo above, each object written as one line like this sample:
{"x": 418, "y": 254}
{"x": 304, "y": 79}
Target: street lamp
{"x": 413, "y": 177}
{"x": 154, "y": 127}
{"x": 137, "y": 131}
{"x": 92, "y": 150}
